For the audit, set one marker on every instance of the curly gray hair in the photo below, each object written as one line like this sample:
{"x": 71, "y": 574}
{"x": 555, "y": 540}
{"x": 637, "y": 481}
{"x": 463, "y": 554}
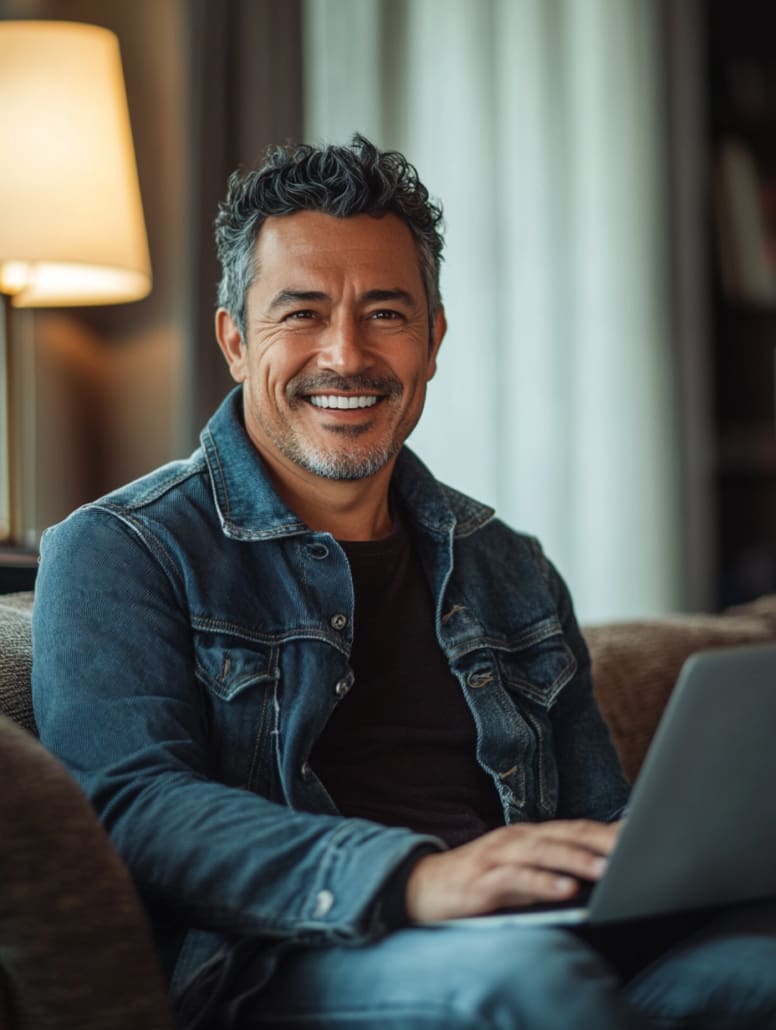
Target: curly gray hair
{"x": 335, "y": 180}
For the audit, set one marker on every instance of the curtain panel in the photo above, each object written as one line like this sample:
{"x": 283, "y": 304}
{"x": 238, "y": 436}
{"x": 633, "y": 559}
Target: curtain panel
{"x": 539, "y": 124}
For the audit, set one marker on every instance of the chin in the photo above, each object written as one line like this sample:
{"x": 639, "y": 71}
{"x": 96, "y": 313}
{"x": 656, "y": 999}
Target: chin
{"x": 355, "y": 464}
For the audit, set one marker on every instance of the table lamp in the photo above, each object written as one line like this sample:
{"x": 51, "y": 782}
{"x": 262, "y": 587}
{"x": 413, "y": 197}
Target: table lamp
{"x": 71, "y": 217}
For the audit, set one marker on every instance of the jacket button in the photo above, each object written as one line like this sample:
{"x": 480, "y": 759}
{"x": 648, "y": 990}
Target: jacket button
{"x": 339, "y": 621}
{"x": 306, "y": 771}
{"x": 342, "y": 687}
{"x": 318, "y": 551}
{"x": 479, "y": 679}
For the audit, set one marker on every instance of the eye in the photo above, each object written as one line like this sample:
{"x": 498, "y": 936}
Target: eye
{"x": 386, "y": 314}
{"x": 299, "y": 316}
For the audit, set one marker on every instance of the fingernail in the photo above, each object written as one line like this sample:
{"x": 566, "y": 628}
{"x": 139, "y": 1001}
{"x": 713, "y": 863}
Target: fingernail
{"x": 599, "y": 866}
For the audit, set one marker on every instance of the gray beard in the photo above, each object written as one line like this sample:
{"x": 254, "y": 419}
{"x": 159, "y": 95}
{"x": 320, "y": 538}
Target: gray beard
{"x": 347, "y": 464}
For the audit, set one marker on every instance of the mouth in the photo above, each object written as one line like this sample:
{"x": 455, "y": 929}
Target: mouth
{"x": 342, "y": 402}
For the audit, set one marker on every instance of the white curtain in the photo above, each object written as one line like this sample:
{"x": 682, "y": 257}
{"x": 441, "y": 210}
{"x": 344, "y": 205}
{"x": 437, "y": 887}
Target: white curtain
{"x": 537, "y": 123}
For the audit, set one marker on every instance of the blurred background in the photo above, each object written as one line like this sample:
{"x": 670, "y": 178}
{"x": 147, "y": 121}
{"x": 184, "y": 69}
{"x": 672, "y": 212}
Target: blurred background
{"x": 608, "y": 177}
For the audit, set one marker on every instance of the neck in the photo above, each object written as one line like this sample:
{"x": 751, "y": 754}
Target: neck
{"x": 348, "y": 509}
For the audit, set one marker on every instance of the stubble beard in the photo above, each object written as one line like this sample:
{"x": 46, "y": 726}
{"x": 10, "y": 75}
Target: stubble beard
{"x": 347, "y": 459}
{"x": 344, "y": 462}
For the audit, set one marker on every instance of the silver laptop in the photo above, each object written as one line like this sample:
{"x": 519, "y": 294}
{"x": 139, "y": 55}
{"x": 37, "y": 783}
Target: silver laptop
{"x": 701, "y": 824}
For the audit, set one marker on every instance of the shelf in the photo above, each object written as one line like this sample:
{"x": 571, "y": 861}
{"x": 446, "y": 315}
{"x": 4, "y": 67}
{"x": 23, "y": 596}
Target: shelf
{"x": 740, "y": 135}
{"x": 18, "y": 569}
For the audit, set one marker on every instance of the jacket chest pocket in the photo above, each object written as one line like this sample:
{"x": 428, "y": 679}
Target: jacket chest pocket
{"x": 534, "y": 675}
{"x": 240, "y": 680}
{"x": 514, "y": 684}
{"x": 537, "y": 666}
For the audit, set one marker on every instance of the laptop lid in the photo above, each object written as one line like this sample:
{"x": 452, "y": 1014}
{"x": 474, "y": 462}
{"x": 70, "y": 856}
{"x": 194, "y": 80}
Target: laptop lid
{"x": 701, "y": 825}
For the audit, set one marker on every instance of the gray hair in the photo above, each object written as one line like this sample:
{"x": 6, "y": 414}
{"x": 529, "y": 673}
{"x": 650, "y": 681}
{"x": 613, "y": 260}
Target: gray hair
{"x": 334, "y": 180}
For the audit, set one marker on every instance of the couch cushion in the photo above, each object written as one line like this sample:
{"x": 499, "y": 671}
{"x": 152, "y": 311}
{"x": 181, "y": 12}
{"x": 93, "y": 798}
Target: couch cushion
{"x": 635, "y": 665}
{"x": 16, "y": 659}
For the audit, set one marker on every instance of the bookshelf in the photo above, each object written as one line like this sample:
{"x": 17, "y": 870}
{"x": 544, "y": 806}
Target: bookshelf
{"x": 741, "y": 61}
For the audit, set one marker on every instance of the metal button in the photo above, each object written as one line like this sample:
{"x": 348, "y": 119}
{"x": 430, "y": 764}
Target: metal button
{"x": 339, "y": 621}
{"x": 306, "y": 771}
{"x": 323, "y": 903}
{"x": 479, "y": 679}
{"x": 318, "y": 551}
{"x": 342, "y": 687}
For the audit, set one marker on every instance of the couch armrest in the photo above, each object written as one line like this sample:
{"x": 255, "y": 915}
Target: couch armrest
{"x": 75, "y": 949}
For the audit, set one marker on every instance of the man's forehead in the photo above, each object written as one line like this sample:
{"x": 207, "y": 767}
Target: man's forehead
{"x": 316, "y": 230}
{"x": 307, "y": 243}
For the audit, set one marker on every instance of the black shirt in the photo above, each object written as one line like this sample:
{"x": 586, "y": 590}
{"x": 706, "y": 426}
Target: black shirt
{"x": 400, "y": 747}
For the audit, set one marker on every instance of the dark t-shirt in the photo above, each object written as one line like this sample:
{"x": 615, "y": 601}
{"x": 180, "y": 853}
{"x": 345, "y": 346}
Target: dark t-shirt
{"x": 400, "y": 747}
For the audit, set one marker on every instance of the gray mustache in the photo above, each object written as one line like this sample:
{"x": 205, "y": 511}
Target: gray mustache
{"x": 344, "y": 384}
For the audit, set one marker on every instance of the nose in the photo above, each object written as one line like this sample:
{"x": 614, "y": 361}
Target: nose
{"x": 342, "y": 348}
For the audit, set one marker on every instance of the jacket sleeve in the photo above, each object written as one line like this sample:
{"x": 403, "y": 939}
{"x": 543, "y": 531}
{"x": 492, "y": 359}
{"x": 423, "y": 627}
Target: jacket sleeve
{"x": 116, "y": 699}
{"x": 591, "y": 781}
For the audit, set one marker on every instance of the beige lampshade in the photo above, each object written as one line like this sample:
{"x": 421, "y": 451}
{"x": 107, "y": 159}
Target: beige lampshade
{"x": 71, "y": 217}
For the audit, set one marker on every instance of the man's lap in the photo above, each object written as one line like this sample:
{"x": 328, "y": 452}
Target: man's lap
{"x": 673, "y": 973}
{"x": 443, "y": 977}
{"x": 722, "y": 975}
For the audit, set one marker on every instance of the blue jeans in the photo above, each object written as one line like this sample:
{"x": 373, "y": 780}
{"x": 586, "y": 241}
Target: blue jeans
{"x": 722, "y": 975}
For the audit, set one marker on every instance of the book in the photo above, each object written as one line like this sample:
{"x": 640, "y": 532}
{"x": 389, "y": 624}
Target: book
{"x": 747, "y": 250}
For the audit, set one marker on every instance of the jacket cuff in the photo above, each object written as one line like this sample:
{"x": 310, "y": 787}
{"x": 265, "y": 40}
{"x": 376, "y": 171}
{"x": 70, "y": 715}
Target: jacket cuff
{"x": 390, "y": 911}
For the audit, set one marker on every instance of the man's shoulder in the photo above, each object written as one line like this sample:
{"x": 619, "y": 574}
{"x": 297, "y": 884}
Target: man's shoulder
{"x": 151, "y": 502}
{"x": 157, "y": 518}
{"x": 191, "y": 475}
{"x": 174, "y": 476}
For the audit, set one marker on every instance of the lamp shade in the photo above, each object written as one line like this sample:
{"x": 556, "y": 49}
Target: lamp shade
{"x": 71, "y": 216}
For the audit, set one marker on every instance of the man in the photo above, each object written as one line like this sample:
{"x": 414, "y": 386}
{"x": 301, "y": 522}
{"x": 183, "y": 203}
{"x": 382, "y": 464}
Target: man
{"x": 319, "y": 700}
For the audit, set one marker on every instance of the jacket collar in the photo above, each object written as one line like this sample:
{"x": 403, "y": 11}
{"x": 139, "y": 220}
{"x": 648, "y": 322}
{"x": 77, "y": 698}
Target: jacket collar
{"x": 250, "y": 509}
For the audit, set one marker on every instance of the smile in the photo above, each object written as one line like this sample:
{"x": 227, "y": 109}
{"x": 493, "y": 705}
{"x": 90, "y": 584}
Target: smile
{"x": 339, "y": 401}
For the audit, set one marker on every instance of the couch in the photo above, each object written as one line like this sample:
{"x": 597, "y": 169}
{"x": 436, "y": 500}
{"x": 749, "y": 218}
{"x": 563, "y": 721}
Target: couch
{"x": 75, "y": 951}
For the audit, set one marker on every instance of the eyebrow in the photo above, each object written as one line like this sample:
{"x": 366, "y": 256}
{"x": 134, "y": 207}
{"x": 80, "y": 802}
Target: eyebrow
{"x": 402, "y": 296}
{"x": 286, "y": 297}
{"x": 289, "y": 297}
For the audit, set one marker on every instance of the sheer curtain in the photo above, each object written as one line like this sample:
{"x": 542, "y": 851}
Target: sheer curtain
{"x": 538, "y": 124}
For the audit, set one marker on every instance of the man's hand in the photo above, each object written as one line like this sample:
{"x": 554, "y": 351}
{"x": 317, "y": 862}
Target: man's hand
{"x": 509, "y": 867}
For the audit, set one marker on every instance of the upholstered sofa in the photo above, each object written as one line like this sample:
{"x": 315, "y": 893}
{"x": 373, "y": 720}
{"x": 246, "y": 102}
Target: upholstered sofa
{"x": 75, "y": 951}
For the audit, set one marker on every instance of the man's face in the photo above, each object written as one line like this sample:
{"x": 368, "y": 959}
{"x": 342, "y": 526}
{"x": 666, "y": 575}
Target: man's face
{"x": 337, "y": 356}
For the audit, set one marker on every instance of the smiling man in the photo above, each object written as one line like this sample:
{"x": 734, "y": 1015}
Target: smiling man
{"x": 324, "y": 703}
{"x": 334, "y": 356}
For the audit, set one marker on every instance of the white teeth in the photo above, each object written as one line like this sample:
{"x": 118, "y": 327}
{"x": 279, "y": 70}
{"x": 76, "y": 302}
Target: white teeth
{"x": 335, "y": 401}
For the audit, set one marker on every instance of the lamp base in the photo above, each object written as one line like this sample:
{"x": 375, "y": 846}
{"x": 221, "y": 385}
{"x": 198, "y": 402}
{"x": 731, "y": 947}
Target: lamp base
{"x": 9, "y": 488}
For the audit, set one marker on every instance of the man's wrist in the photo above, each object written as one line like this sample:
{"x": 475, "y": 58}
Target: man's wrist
{"x": 392, "y": 902}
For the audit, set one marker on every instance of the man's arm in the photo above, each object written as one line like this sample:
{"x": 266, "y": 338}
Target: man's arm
{"x": 117, "y": 700}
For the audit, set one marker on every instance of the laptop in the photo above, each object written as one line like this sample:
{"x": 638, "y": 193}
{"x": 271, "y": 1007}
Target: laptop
{"x": 700, "y": 829}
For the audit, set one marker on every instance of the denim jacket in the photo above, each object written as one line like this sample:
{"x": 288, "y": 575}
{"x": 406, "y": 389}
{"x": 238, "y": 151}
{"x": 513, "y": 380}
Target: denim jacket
{"x": 192, "y": 637}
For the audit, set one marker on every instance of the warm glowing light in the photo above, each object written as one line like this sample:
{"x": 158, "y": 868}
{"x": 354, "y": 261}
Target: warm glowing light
{"x": 71, "y": 217}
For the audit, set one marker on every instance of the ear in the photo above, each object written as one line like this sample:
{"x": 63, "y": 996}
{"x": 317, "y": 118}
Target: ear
{"x": 232, "y": 345}
{"x": 438, "y": 334}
